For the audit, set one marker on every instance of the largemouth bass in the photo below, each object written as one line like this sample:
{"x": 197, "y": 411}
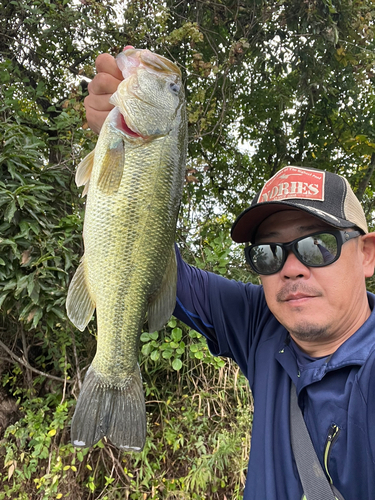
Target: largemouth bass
{"x": 134, "y": 180}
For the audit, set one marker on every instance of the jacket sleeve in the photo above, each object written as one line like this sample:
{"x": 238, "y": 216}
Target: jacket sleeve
{"x": 192, "y": 300}
{"x": 228, "y": 313}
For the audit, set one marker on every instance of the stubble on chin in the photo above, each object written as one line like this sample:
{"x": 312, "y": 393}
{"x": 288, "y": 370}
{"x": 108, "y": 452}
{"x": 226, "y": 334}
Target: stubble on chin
{"x": 308, "y": 332}
{"x": 302, "y": 329}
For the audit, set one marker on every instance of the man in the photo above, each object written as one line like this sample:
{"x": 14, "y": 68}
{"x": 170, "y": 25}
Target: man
{"x": 311, "y": 321}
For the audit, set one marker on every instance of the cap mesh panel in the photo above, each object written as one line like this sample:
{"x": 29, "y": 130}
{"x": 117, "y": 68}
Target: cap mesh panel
{"x": 353, "y": 209}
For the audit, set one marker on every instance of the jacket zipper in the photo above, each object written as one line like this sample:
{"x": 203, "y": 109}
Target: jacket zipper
{"x": 333, "y": 434}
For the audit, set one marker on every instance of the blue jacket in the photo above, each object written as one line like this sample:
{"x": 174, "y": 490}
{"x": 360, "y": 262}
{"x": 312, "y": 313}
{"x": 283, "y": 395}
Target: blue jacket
{"x": 336, "y": 394}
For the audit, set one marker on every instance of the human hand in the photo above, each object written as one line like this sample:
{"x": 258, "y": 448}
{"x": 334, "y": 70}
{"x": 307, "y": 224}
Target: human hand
{"x": 103, "y": 85}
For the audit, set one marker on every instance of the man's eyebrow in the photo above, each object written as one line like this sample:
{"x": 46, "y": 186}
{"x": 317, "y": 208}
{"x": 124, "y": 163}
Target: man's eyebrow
{"x": 300, "y": 229}
{"x": 270, "y": 234}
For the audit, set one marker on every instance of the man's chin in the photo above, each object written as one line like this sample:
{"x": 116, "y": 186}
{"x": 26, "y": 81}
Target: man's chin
{"x": 308, "y": 332}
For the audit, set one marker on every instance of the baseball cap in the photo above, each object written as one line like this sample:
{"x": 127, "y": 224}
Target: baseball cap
{"x": 325, "y": 195}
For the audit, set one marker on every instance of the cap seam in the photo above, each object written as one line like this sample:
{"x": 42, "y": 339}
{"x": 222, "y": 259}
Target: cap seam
{"x": 344, "y": 196}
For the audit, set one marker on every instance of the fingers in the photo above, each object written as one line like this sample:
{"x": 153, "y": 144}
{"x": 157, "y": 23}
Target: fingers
{"x": 103, "y": 84}
{"x": 100, "y": 89}
{"x": 97, "y": 109}
{"x": 105, "y": 63}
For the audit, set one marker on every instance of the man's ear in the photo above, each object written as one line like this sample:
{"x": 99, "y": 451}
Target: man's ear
{"x": 368, "y": 251}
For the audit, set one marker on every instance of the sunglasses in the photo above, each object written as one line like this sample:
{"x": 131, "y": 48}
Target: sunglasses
{"x": 315, "y": 250}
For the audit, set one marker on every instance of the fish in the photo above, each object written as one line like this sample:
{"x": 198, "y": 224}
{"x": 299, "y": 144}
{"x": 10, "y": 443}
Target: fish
{"x": 134, "y": 182}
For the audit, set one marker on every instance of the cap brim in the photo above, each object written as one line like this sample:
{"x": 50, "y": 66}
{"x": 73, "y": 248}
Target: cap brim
{"x": 246, "y": 224}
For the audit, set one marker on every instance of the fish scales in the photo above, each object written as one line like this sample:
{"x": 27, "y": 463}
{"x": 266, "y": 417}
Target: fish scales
{"x": 121, "y": 279}
{"x": 135, "y": 182}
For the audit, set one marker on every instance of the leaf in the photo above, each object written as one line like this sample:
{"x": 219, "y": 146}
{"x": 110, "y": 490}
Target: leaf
{"x": 177, "y": 364}
{"x": 11, "y": 243}
{"x": 11, "y": 470}
{"x": 3, "y": 296}
{"x": 37, "y": 315}
{"x": 25, "y": 259}
{"x": 155, "y": 355}
{"x": 176, "y": 334}
{"x": 167, "y": 354}
{"x": 146, "y": 349}
{"x": 145, "y": 337}
{"x": 10, "y": 211}
{"x": 172, "y": 323}
{"x": 23, "y": 282}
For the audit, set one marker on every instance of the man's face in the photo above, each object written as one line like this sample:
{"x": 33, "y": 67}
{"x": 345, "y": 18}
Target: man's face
{"x": 322, "y": 306}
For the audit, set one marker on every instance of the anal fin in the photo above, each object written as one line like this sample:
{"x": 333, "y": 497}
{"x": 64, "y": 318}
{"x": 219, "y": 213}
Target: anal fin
{"x": 163, "y": 303}
{"x": 79, "y": 304}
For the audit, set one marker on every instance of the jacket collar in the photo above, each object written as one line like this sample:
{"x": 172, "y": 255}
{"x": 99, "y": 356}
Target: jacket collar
{"x": 354, "y": 351}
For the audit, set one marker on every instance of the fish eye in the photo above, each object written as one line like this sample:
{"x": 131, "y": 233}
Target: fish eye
{"x": 174, "y": 87}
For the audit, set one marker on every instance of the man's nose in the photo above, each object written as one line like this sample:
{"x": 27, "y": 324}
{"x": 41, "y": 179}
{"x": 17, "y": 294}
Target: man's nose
{"x": 293, "y": 268}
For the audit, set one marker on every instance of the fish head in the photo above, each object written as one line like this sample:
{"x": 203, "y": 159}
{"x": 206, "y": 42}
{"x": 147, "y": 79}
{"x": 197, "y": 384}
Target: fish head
{"x": 150, "y": 98}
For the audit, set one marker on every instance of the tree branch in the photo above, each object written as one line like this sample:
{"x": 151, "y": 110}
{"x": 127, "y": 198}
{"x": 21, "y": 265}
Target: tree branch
{"x": 29, "y": 367}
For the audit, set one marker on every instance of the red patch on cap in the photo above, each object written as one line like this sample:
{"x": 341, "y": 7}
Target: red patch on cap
{"x": 294, "y": 182}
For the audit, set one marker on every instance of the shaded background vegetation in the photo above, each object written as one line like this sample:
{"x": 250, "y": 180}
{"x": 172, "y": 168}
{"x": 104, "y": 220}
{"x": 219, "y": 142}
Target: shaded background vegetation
{"x": 268, "y": 83}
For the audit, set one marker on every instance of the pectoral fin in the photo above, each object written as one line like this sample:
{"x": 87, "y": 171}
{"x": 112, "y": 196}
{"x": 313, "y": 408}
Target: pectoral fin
{"x": 79, "y": 304}
{"x": 162, "y": 305}
{"x": 111, "y": 168}
{"x": 84, "y": 170}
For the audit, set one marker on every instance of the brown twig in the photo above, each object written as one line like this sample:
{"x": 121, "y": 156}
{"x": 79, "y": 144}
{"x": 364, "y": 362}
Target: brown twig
{"x": 26, "y": 358}
{"x": 17, "y": 359}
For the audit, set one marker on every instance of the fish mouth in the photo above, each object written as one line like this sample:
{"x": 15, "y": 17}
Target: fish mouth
{"x": 119, "y": 123}
{"x": 124, "y": 127}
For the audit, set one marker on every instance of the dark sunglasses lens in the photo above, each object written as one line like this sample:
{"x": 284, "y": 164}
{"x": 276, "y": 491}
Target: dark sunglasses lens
{"x": 267, "y": 259}
{"x": 318, "y": 250}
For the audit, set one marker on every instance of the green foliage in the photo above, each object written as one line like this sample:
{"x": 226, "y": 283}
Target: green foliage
{"x": 268, "y": 83}
{"x": 175, "y": 349}
{"x": 31, "y": 442}
{"x": 38, "y": 247}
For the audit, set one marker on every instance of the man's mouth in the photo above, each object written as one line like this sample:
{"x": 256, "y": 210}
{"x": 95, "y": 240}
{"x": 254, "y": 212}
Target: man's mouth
{"x": 297, "y": 296}
{"x": 297, "y": 293}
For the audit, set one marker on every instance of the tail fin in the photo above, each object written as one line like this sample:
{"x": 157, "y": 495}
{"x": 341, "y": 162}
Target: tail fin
{"x": 117, "y": 412}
